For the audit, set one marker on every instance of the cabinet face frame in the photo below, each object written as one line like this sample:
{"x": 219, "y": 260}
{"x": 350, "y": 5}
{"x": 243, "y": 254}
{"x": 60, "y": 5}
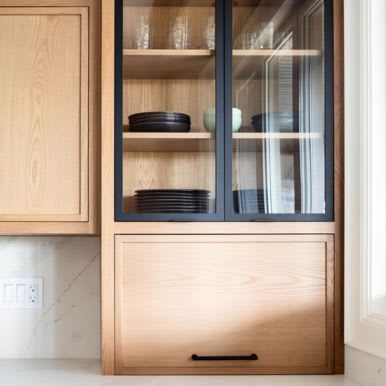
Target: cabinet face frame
{"x": 221, "y": 368}
{"x": 86, "y": 220}
{"x": 110, "y": 228}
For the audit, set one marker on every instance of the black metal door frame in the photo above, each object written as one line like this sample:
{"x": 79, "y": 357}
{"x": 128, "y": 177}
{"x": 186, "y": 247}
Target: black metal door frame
{"x": 230, "y": 215}
{"x": 218, "y": 215}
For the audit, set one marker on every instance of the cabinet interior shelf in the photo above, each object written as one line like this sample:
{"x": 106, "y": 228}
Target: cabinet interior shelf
{"x": 203, "y": 141}
{"x": 196, "y": 63}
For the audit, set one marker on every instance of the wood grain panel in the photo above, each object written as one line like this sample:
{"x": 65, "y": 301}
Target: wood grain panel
{"x": 191, "y": 97}
{"x": 227, "y": 228}
{"x": 168, "y": 171}
{"x": 214, "y": 295}
{"x": 107, "y": 191}
{"x": 339, "y": 182}
{"x": 44, "y": 111}
{"x": 161, "y": 20}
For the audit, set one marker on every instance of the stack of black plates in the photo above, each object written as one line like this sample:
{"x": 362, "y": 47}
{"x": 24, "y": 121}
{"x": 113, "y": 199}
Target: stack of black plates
{"x": 249, "y": 201}
{"x": 278, "y": 122}
{"x": 159, "y": 122}
{"x": 172, "y": 201}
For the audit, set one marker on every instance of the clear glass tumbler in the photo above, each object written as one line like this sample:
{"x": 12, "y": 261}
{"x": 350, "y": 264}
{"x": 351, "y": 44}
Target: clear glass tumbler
{"x": 142, "y": 33}
{"x": 266, "y": 35}
{"x": 180, "y": 33}
{"x": 210, "y": 33}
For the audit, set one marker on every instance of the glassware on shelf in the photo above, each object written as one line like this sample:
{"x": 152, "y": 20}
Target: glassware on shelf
{"x": 250, "y": 40}
{"x": 180, "y": 33}
{"x": 266, "y": 35}
{"x": 210, "y": 33}
{"x": 258, "y": 37}
{"x": 142, "y": 33}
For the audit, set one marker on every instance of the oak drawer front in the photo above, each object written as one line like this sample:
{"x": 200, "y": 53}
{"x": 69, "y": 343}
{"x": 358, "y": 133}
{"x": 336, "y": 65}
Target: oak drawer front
{"x": 224, "y": 296}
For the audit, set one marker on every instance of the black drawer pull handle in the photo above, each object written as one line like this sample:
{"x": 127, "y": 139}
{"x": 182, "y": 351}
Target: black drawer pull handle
{"x": 252, "y": 357}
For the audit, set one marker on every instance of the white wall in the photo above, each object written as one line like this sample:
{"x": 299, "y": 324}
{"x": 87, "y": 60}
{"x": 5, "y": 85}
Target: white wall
{"x": 365, "y": 147}
{"x": 68, "y": 325}
{"x": 365, "y": 200}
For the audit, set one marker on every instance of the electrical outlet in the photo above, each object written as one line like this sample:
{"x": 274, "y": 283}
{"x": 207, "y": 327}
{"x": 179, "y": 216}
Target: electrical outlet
{"x": 21, "y": 293}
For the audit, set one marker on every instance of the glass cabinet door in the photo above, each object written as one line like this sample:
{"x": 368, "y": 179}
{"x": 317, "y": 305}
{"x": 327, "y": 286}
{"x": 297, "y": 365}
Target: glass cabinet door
{"x": 169, "y": 147}
{"x": 279, "y": 110}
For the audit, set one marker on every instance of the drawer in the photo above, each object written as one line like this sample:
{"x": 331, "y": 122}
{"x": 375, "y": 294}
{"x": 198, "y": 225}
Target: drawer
{"x": 220, "y": 297}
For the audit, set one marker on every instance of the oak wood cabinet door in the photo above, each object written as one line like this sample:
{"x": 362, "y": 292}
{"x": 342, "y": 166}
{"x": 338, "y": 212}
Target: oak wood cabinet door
{"x": 48, "y": 119}
{"x": 210, "y": 296}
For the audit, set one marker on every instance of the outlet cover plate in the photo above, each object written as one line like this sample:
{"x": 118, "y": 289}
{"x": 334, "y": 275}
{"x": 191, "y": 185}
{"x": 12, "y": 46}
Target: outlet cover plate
{"x": 21, "y": 293}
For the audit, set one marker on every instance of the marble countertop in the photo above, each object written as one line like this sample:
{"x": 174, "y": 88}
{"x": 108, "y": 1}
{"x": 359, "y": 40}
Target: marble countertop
{"x": 85, "y": 372}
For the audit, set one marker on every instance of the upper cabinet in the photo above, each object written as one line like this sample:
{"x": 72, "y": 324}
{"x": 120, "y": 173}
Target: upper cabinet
{"x": 49, "y": 118}
{"x": 224, "y": 110}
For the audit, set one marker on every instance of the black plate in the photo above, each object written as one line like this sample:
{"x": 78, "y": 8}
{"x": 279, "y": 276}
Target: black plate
{"x": 158, "y": 118}
{"x": 163, "y": 113}
{"x": 170, "y": 196}
{"x": 164, "y": 127}
{"x": 176, "y": 198}
{"x": 173, "y": 203}
{"x": 165, "y": 191}
{"x": 174, "y": 211}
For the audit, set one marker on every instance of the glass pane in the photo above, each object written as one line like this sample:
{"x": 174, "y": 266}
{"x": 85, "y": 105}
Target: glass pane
{"x": 169, "y": 94}
{"x": 279, "y": 91}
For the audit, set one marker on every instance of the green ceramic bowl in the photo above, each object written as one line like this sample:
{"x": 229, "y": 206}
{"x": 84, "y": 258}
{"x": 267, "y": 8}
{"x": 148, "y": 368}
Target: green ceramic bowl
{"x": 209, "y": 120}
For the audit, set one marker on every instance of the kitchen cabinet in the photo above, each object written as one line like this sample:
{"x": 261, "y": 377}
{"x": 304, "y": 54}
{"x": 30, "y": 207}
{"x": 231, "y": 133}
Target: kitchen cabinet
{"x": 49, "y": 117}
{"x": 222, "y": 238}
{"x": 185, "y": 301}
{"x": 270, "y": 67}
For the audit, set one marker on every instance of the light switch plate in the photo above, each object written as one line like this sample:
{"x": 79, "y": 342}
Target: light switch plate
{"x": 21, "y": 293}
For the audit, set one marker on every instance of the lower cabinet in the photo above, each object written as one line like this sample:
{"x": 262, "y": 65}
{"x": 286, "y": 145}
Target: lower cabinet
{"x": 224, "y": 304}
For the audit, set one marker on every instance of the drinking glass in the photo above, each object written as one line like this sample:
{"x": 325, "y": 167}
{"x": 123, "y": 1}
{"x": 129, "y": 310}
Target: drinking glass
{"x": 210, "y": 33}
{"x": 266, "y": 35}
{"x": 142, "y": 32}
{"x": 180, "y": 33}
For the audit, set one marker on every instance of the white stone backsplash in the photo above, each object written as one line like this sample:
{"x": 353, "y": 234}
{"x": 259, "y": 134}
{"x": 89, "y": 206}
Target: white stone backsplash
{"x": 68, "y": 326}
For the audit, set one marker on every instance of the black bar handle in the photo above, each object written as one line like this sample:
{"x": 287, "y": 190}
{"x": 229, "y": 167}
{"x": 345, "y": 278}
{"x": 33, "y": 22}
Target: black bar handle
{"x": 252, "y": 357}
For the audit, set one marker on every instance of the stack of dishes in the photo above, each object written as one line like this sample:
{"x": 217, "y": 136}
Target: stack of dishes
{"x": 172, "y": 201}
{"x": 159, "y": 122}
{"x": 277, "y": 122}
{"x": 249, "y": 201}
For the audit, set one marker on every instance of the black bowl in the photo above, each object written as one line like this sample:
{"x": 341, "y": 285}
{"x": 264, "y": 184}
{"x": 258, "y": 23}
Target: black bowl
{"x": 280, "y": 122}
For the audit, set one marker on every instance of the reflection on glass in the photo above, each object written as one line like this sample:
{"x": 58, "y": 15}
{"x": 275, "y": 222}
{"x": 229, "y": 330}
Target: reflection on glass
{"x": 279, "y": 166}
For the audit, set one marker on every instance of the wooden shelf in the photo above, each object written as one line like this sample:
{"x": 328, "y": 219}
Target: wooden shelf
{"x": 167, "y": 52}
{"x": 203, "y": 141}
{"x": 206, "y": 3}
{"x": 197, "y": 63}
{"x": 168, "y": 142}
{"x": 170, "y": 3}
{"x": 292, "y": 136}
{"x": 252, "y": 142}
{"x": 265, "y": 53}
